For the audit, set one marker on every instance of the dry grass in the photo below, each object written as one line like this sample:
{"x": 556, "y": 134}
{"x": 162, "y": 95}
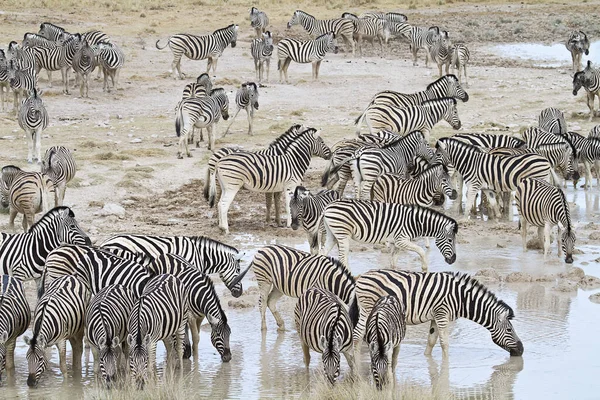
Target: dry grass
{"x": 147, "y": 152}
{"x": 110, "y": 156}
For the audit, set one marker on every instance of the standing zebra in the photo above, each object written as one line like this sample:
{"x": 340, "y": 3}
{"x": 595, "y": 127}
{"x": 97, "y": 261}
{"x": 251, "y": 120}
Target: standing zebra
{"x": 388, "y": 16}
{"x": 375, "y": 222}
{"x": 577, "y": 44}
{"x": 261, "y": 50}
{"x": 544, "y": 205}
{"x": 59, "y": 316}
{"x": 201, "y": 88}
{"x": 201, "y": 112}
{"x": 552, "y": 120}
{"x": 304, "y": 52}
{"x": 246, "y": 98}
{"x": 84, "y": 63}
{"x": 307, "y": 208}
{"x": 340, "y": 27}
{"x": 441, "y": 52}
{"x": 208, "y": 255}
{"x": 266, "y": 173}
{"x": 57, "y": 58}
{"x": 15, "y": 316}
{"x": 59, "y": 165}
{"x": 439, "y": 297}
{"x": 4, "y": 81}
{"x": 259, "y": 21}
{"x": 22, "y": 81}
{"x": 589, "y": 79}
{"x": 386, "y": 327}
{"x": 588, "y": 152}
{"x": 368, "y": 29}
{"x": 324, "y": 326}
{"x": 159, "y": 314}
{"x": 106, "y": 328}
{"x": 459, "y": 59}
{"x": 33, "y": 119}
{"x": 195, "y": 47}
{"x": 422, "y": 38}
{"x": 111, "y": 59}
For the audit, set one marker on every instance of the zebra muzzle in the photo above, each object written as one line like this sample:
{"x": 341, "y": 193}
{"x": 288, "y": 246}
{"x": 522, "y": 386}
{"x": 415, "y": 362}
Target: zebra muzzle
{"x": 453, "y": 195}
{"x": 451, "y": 259}
{"x": 31, "y": 380}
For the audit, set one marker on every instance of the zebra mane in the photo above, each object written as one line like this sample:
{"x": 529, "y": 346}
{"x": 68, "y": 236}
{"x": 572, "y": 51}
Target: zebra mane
{"x": 460, "y": 143}
{"x": 223, "y": 29}
{"x": 325, "y": 34}
{"x": 443, "y": 78}
{"x": 342, "y": 268}
{"x": 438, "y": 100}
{"x": 431, "y": 167}
{"x": 219, "y": 246}
{"x": 435, "y": 213}
{"x": 294, "y": 130}
{"x": 217, "y": 91}
{"x": 570, "y": 143}
{"x": 402, "y": 138}
{"x": 563, "y": 199}
{"x": 52, "y": 25}
{"x": 349, "y": 15}
{"x": 338, "y": 316}
{"x": 464, "y": 279}
{"x": 48, "y": 216}
{"x": 435, "y": 28}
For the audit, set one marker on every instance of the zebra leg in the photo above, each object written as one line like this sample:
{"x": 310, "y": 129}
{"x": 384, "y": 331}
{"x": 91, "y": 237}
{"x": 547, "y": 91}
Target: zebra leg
{"x": 588, "y": 174}
{"x": 277, "y": 203}
{"x": 62, "y": 356}
{"x": 250, "y": 115}
{"x": 590, "y": 104}
{"x": 231, "y": 122}
{"x": 288, "y": 61}
{"x": 49, "y": 78}
{"x": 403, "y": 243}
{"x": 96, "y": 361}
{"x": 272, "y": 304}
{"x": 214, "y": 64}
{"x": 10, "y": 355}
{"x": 269, "y": 203}
{"x": 330, "y": 241}
{"x": 11, "y": 219}
{"x": 344, "y": 250}
{"x": 38, "y": 144}
{"x": 444, "y": 336}
{"x": 523, "y": 223}
{"x": 395, "y": 353}
{"x": 194, "y": 324}
{"x": 264, "y": 288}
{"x": 472, "y": 191}
{"x": 432, "y": 338}
{"x": 287, "y": 192}
{"x": 559, "y": 242}
{"x": 211, "y": 138}
{"x": 29, "y": 136}
{"x": 257, "y": 70}
{"x": 28, "y": 220}
{"x": 306, "y": 354}
{"x": 466, "y": 78}
{"x": 268, "y": 64}
{"x": 350, "y": 360}
{"x": 77, "y": 350}
{"x": 547, "y": 229}
{"x": 179, "y": 348}
{"x": 227, "y": 196}
{"x": 318, "y": 66}
{"x": 176, "y": 66}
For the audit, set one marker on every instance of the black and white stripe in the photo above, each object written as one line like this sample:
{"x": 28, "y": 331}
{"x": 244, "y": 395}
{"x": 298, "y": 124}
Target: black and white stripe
{"x": 84, "y": 63}
{"x": 441, "y": 52}
{"x": 111, "y": 59}
{"x": 261, "y": 50}
{"x": 15, "y": 316}
{"x": 58, "y": 58}
{"x": 4, "y": 82}
{"x": 304, "y": 52}
{"x": 259, "y": 21}
{"x": 202, "y": 87}
{"x": 422, "y": 38}
{"x": 388, "y": 16}
{"x": 59, "y": 165}
{"x": 341, "y": 27}
{"x": 52, "y": 32}
{"x": 577, "y": 44}
{"x": 33, "y": 119}
{"x": 589, "y": 79}
{"x": 460, "y": 56}
{"x": 22, "y": 81}
{"x": 490, "y": 140}
{"x": 588, "y": 152}
{"x": 552, "y": 120}
{"x": 246, "y": 99}
{"x": 368, "y": 29}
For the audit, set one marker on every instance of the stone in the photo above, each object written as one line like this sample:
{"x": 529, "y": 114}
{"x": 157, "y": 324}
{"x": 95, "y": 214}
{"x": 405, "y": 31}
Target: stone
{"x": 240, "y": 303}
{"x": 112, "y": 209}
{"x": 595, "y": 235}
{"x": 589, "y": 282}
{"x": 136, "y": 140}
{"x": 518, "y": 277}
{"x": 574, "y": 274}
{"x": 487, "y": 275}
{"x": 595, "y": 298}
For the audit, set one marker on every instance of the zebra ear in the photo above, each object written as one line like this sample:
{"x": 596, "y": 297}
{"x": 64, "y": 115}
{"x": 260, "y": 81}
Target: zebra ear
{"x": 116, "y": 342}
{"x": 130, "y": 341}
{"x": 147, "y": 340}
{"x": 27, "y": 340}
{"x": 3, "y": 337}
{"x": 373, "y": 347}
{"x": 323, "y": 341}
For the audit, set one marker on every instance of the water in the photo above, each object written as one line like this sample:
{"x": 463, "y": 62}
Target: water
{"x": 559, "y": 331}
{"x": 555, "y": 55}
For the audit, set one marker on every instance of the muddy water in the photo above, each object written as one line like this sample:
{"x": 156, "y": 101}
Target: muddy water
{"x": 554, "y": 55}
{"x": 559, "y": 331}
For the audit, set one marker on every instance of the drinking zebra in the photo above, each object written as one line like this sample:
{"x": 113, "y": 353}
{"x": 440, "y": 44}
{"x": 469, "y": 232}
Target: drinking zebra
{"x": 441, "y": 52}
{"x": 577, "y": 44}
{"x": 33, "y": 119}
{"x": 304, "y": 52}
{"x": 259, "y": 21}
{"x": 368, "y": 29}
{"x": 340, "y": 27}
{"x": 589, "y": 79}
{"x": 552, "y": 120}
{"x": 159, "y": 314}
{"x": 307, "y": 208}
{"x": 208, "y": 255}
{"x": 59, "y": 165}
{"x": 59, "y": 316}
{"x": 324, "y": 326}
{"x": 15, "y": 316}
{"x": 588, "y": 152}
{"x": 543, "y": 205}
{"x": 246, "y": 99}
{"x": 84, "y": 64}
{"x": 106, "y": 328}
{"x": 460, "y": 56}
{"x": 111, "y": 59}
{"x": 261, "y": 50}
{"x": 439, "y": 297}
{"x": 195, "y": 47}
{"x": 266, "y": 173}
{"x": 374, "y": 222}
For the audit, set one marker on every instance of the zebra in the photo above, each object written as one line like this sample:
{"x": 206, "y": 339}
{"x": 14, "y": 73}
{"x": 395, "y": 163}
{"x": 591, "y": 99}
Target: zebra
{"x": 202, "y": 302}
{"x": 259, "y": 21}
{"x": 35, "y": 40}
{"x": 106, "y": 328}
{"x": 552, "y": 120}
{"x": 536, "y": 137}
{"x": 588, "y": 152}
{"x": 577, "y": 44}
{"x": 23, "y": 255}
{"x": 307, "y": 209}
{"x": 490, "y": 140}
{"x": 26, "y": 193}
{"x": 33, "y": 119}
{"x": 58, "y": 58}
{"x": 439, "y": 297}
{"x": 375, "y": 222}
{"x": 22, "y": 81}
{"x": 589, "y": 79}
{"x": 195, "y": 47}
{"x": 159, "y": 314}
{"x": 460, "y": 56}
{"x": 368, "y": 29}
{"x": 393, "y": 29}
{"x": 201, "y": 88}
{"x": 304, "y": 52}
{"x": 261, "y": 50}
{"x": 324, "y": 326}
{"x": 421, "y": 117}
{"x": 390, "y": 188}
{"x": 59, "y": 315}
{"x": 340, "y": 27}
{"x": 246, "y": 98}
{"x": 84, "y": 64}
{"x": 210, "y": 256}
{"x": 488, "y": 172}
{"x": 422, "y": 38}
{"x": 282, "y": 270}
{"x": 4, "y": 81}
{"x": 15, "y": 316}
{"x": 110, "y": 59}
{"x": 385, "y": 330}
{"x": 59, "y": 165}
{"x": 266, "y": 173}
{"x": 52, "y": 32}
{"x": 441, "y": 52}
{"x": 544, "y": 205}
{"x": 388, "y": 16}
{"x": 201, "y": 112}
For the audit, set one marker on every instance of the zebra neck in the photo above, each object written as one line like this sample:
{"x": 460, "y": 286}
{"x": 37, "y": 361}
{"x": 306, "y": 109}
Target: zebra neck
{"x": 475, "y": 306}
{"x": 434, "y": 114}
{"x": 308, "y": 22}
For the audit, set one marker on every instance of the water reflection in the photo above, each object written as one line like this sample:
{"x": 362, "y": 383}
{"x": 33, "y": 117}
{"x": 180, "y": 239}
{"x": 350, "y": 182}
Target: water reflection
{"x": 544, "y": 55}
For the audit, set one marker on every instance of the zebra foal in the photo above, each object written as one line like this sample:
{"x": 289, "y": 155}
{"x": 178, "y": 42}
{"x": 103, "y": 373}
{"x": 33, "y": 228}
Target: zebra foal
{"x": 15, "y": 316}
{"x": 33, "y": 119}
{"x": 246, "y": 99}
{"x": 261, "y": 50}
{"x": 259, "y": 21}
{"x": 577, "y": 44}
{"x": 59, "y": 165}
{"x": 111, "y": 59}
{"x": 589, "y": 79}
{"x": 460, "y": 56}
{"x": 304, "y": 52}
{"x": 84, "y": 63}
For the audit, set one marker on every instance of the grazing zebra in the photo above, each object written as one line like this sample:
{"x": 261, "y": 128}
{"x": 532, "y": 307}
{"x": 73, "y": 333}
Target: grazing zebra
{"x": 386, "y": 327}
{"x": 59, "y": 165}
{"x": 368, "y": 29}
{"x": 488, "y": 172}
{"x": 390, "y": 188}
{"x": 95, "y": 267}
{"x": 22, "y": 81}
{"x": 59, "y": 316}
{"x": 195, "y": 47}
{"x": 282, "y": 270}
{"x": 340, "y": 27}
{"x": 23, "y": 255}
{"x": 441, "y": 52}
{"x": 58, "y": 58}
{"x": 388, "y": 16}
{"x": 159, "y": 314}
{"x": 84, "y": 64}
{"x": 106, "y": 328}
{"x": 259, "y": 21}
{"x": 202, "y": 301}
{"x": 577, "y": 44}
{"x": 588, "y": 152}
{"x": 26, "y": 193}
{"x": 304, "y": 52}
{"x": 266, "y": 173}
{"x": 246, "y": 98}
{"x": 552, "y": 120}
{"x": 15, "y": 316}
{"x": 4, "y": 82}
{"x": 201, "y": 112}
{"x": 439, "y": 297}
{"x": 422, "y": 117}
{"x": 544, "y": 205}
{"x": 589, "y": 79}
{"x": 208, "y": 255}
{"x": 459, "y": 59}
{"x": 307, "y": 208}
{"x": 33, "y": 119}
{"x": 110, "y": 59}
{"x": 262, "y": 50}
{"x": 324, "y": 326}
{"x": 375, "y": 222}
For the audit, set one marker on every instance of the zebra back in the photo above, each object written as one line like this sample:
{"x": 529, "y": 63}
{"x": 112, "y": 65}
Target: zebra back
{"x": 315, "y": 27}
{"x": 490, "y": 141}
{"x": 59, "y": 164}
{"x": 306, "y": 51}
{"x": 35, "y": 40}
{"x": 552, "y": 120}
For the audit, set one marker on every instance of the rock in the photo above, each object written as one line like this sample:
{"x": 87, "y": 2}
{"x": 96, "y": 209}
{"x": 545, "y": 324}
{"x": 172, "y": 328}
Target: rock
{"x": 595, "y": 235}
{"x": 589, "y": 282}
{"x": 595, "y": 298}
{"x": 136, "y": 140}
{"x": 597, "y": 260}
{"x": 8, "y": 137}
{"x": 500, "y": 246}
{"x": 565, "y": 286}
{"x": 240, "y": 303}
{"x": 84, "y": 184}
{"x": 518, "y": 277}
{"x": 128, "y": 202}
{"x": 251, "y": 290}
{"x": 574, "y": 274}
{"x": 112, "y": 209}
{"x": 487, "y": 275}
{"x": 534, "y": 244}
{"x": 546, "y": 278}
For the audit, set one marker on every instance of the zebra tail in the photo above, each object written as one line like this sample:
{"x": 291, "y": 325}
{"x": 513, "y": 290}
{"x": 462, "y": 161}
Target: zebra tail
{"x": 160, "y": 48}
{"x": 212, "y": 190}
{"x": 353, "y": 312}
{"x": 278, "y": 65}
{"x": 327, "y": 173}
{"x": 42, "y": 286}
{"x": 178, "y": 119}
{"x": 358, "y": 121}
{"x": 207, "y": 182}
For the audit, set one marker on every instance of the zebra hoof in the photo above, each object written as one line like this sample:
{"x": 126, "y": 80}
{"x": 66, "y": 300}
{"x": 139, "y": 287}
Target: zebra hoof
{"x": 189, "y": 155}
{"x": 179, "y": 156}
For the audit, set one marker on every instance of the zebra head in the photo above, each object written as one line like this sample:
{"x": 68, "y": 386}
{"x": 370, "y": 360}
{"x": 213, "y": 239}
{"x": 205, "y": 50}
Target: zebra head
{"x": 295, "y": 19}
{"x": 451, "y": 114}
{"x": 68, "y": 229}
{"x": 3, "y": 339}
{"x": 268, "y": 41}
{"x": 579, "y": 81}
{"x": 297, "y": 206}
{"x": 331, "y": 346}
{"x": 503, "y": 333}
{"x": 454, "y": 89}
{"x": 380, "y": 362}
{"x": 330, "y": 42}
{"x": 221, "y": 97}
{"x": 252, "y": 94}
{"x": 444, "y": 181}
{"x": 109, "y": 353}
{"x": 219, "y": 336}
{"x": 446, "y": 240}
{"x": 318, "y": 147}
{"x": 230, "y": 275}
{"x": 567, "y": 236}
{"x": 36, "y": 359}
{"x": 138, "y": 358}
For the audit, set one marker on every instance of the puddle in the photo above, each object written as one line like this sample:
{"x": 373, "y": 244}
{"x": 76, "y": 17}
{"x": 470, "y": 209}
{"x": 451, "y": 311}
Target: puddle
{"x": 555, "y": 55}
